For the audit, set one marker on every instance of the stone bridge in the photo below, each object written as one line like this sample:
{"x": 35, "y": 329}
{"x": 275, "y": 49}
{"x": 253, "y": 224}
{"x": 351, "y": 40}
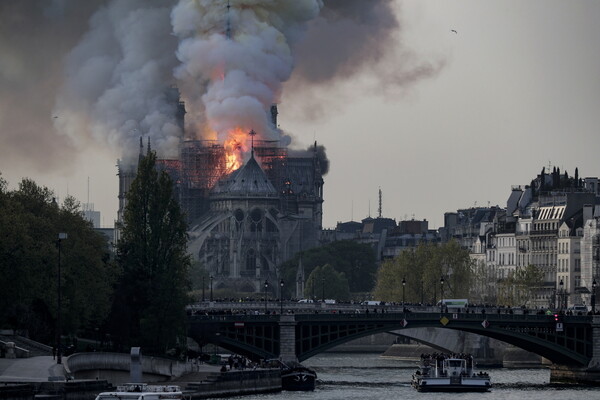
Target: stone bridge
{"x": 571, "y": 343}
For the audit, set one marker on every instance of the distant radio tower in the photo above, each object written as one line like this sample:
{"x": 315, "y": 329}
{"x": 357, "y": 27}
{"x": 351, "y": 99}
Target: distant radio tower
{"x": 228, "y": 30}
{"x": 379, "y": 203}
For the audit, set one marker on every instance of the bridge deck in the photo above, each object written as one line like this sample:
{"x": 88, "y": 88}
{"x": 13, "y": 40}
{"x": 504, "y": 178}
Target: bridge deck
{"x": 567, "y": 341}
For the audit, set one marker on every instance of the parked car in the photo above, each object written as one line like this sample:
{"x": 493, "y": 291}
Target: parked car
{"x": 578, "y": 308}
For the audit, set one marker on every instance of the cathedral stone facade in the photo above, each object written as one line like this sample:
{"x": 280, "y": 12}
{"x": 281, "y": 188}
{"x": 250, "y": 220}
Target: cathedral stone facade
{"x": 253, "y": 225}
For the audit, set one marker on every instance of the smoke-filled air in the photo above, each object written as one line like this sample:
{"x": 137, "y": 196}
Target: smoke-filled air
{"x": 105, "y": 73}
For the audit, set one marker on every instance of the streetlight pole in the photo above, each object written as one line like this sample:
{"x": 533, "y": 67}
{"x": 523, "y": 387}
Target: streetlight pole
{"x": 422, "y": 298}
{"x": 203, "y": 289}
{"x": 594, "y": 296}
{"x": 211, "y": 291}
{"x": 266, "y": 288}
{"x": 403, "y": 288}
{"x": 442, "y": 293}
{"x": 323, "y": 289}
{"x": 560, "y": 294}
{"x": 61, "y": 237}
{"x": 281, "y": 296}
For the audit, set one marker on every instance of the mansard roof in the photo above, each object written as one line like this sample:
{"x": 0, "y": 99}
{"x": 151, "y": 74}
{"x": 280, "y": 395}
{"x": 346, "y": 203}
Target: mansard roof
{"x": 249, "y": 180}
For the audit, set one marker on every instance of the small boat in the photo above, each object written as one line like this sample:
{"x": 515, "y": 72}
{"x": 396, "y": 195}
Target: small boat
{"x": 442, "y": 373}
{"x": 295, "y": 376}
{"x": 139, "y": 391}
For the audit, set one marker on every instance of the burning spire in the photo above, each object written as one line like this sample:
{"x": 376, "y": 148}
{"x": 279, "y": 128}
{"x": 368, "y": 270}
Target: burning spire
{"x": 241, "y": 71}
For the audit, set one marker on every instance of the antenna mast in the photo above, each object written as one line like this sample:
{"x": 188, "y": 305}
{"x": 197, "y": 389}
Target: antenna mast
{"x": 228, "y": 31}
{"x": 379, "y": 210}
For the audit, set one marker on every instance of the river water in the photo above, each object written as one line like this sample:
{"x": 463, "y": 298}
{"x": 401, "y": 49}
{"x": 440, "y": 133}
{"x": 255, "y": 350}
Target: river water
{"x": 343, "y": 376}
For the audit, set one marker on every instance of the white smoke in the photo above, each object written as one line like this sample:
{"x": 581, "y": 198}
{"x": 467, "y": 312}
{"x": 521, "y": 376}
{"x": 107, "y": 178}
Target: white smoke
{"x": 118, "y": 78}
{"x": 241, "y": 75}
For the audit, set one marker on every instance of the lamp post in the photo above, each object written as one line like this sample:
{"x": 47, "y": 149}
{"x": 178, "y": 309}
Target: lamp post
{"x": 266, "y": 288}
{"x": 61, "y": 237}
{"x": 211, "y": 292}
{"x": 560, "y": 294}
{"x": 403, "y": 288}
{"x": 442, "y": 293}
{"x": 323, "y": 289}
{"x": 281, "y": 296}
{"x": 422, "y": 299}
{"x": 594, "y": 296}
{"x": 203, "y": 298}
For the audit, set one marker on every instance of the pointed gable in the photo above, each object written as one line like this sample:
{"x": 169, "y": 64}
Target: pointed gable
{"x": 250, "y": 180}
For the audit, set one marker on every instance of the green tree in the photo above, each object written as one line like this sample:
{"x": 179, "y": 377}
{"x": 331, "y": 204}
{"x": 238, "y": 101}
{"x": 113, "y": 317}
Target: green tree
{"x": 153, "y": 289}
{"x": 199, "y": 278}
{"x": 30, "y": 221}
{"x": 422, "y": 269}
{"x": 486, "y": 289}
{"x": 520, "y": 286}
{"x": 355, "y": 260}
{"x": 326, "y": 281}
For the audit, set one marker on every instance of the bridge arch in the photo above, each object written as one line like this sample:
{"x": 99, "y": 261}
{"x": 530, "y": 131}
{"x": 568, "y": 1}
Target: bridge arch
{"x": 259, "y": 336}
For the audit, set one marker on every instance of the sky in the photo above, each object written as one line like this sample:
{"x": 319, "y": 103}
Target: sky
{"x": 439, "y": 120}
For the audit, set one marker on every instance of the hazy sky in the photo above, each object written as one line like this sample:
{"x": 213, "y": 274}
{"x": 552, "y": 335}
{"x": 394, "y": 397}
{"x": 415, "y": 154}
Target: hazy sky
{"x": 516, "y": 88}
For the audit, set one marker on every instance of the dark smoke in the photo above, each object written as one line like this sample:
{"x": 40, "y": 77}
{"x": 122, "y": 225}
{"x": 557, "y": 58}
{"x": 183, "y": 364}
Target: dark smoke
{"x": 347, "y": 36}
{"x": 35, "y": 36}
{"x": 319, "y": 151}
{"x": 350, "y": 37}
{"x": 322, "y": 157}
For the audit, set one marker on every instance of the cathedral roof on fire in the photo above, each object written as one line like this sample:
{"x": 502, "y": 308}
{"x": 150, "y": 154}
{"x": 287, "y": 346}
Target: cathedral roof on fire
{"x": 248, "y": 180}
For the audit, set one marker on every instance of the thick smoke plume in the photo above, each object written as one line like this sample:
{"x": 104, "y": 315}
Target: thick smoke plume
{"x": 235, "y": 60}
{"x": 35, "y": 36}
{"x": 350, "y": 37}
{"x": 118, "y": 78}
{"x": 75, "y": 74}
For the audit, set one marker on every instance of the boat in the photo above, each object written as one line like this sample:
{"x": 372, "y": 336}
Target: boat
{"x": 139, "y": 391}
{"x": 443, "y": 373}
{"x": 295, "y": 376}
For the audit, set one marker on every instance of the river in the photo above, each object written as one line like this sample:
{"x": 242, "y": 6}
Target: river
{"x": 343, "y": 376}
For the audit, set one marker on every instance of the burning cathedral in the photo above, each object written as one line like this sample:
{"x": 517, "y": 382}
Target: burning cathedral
{"x": 246, "y": 213}
{"x": 251, "y": 201}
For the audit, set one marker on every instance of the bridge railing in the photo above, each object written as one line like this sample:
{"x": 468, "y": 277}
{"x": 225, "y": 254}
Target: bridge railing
{"x": 396, "y": 316}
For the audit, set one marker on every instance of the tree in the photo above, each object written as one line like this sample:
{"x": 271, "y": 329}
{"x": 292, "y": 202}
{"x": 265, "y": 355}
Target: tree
{"x": 484, "y": 288}
{"x": 30, "y": 221}
{"x": 355, "y": 260}
{"x": 520, "y": 285}
{"x": 422, "y": 270}
{"x": 153, "y": 289}
{"x": 326, "y": 282}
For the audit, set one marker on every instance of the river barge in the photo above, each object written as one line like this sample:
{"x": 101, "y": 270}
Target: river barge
{"x": 442, "y": 373}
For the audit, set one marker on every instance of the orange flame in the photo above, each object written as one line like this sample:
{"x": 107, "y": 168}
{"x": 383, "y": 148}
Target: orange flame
{"x": 235, "y": 145}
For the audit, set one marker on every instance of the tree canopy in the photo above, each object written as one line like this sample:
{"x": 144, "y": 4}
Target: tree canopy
{"x": 422, "y": 270}
{"x": 355, "y": 260}
{"x": 150, "y": 303}
{"x": 520, "y": 286}
{"x": 30, "y": 221}
{"x": 324, "y": 282}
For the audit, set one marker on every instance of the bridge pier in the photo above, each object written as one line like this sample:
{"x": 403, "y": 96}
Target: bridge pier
{"x": 287, "y": 338}
{"x": 589, "y": 375}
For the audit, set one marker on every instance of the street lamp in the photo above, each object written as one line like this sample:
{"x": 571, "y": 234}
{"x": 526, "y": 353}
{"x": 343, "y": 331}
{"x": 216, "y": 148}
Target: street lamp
{"x": 560, "y": 294}
{"x": 594, "y": 296}
{"x": 442, "y": 293}
{"x": 266, "y": 288}
{"x": 281, "y": 296}
{"x": 203, "y": 289}
{"x": 323, "y": 289}
{"x": 61, "y": 237}
{"x": 211, "y": 292}
{"x": 422, "y": 299}
{"x": 403, "y": 287}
